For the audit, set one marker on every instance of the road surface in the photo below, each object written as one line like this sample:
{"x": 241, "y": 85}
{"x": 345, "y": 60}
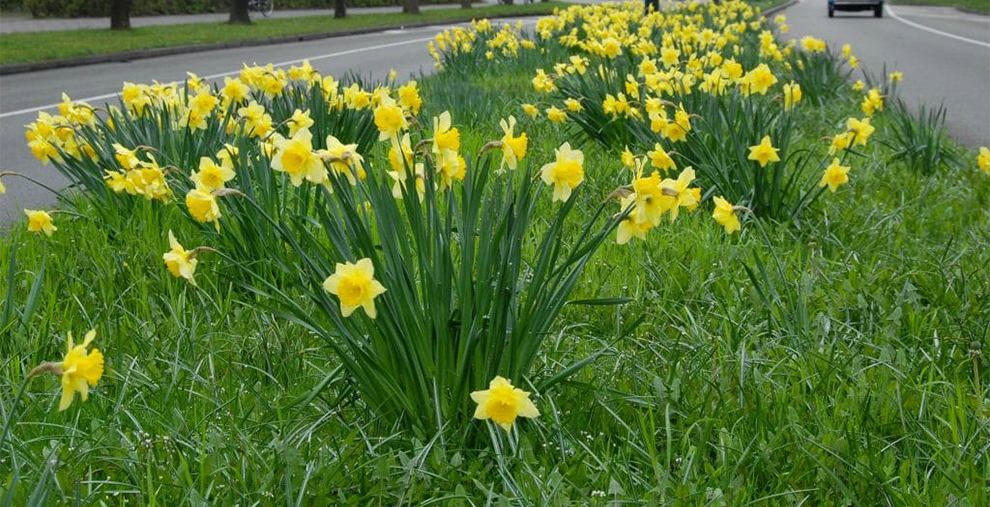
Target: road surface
{"x": 943, "y": 53}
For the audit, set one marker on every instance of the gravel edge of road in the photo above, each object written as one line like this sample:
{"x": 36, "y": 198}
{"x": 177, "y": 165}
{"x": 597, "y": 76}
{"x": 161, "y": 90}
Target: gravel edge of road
{"x": 126, "y": 56}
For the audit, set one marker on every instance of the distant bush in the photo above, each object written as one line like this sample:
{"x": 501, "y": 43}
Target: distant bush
{"x": 89, "y": 8}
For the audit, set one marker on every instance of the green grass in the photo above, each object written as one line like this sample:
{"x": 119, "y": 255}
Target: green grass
{"x": 42, "y": 46}
{"x": 842, "y": 363}
{"x": 976, "y": 5}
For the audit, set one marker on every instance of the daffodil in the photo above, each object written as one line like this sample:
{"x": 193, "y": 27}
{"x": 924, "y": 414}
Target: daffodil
{"x": 660, "y": 159}
{"x": 203, "y": 206}
{"x": 896, "y": 76}
{"x": 40, "y": 221}
{"x": 355, "y": 285}
{"x": 298, "y": 121}
{"x": 80, "y": 369}
{"x": 565, "y": 173}
{"x": 180, "y": 262}
{"x": 677, "y": 194}
{"x": 725, "y": 215}
{"x": 860, "y": 130}
{"x": 840, "y": 142}
{"x": 835, "y": 176}
{"x": 648, "y": 198}
{"x": 792, "y": 95}
{"x": 632, "y": 227}
{"x": 296, "y": 158}
{"x": 513, "y": 147}
{"x": 983, "y": 159}
{"x": 503, "y": 403}
{"x": 344, "y": 159}
{"x": 573, "y": 105}
{"x": 389, "y": 118}
{"x": 764, "y": 153}
{"x": 556, "y": 115}
{"x": 758, "y": 80}
{"x": 409, "y": 97}
{"x": 211, "y": 174}
{"x": 234, "y": 91}
{"x": 530, "y": 110}
{"x": 445, "y": 137}
{"x": 872, "y": 103}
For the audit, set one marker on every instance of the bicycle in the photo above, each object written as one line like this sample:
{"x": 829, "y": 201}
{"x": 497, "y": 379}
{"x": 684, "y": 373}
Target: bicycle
{"x": 265, "y": 7}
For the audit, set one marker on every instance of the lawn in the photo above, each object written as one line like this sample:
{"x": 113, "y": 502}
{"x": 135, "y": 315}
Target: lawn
{"x": 829, "y": 352}
{"x": 976, "y": 5}
{"x": 42, "y": 46}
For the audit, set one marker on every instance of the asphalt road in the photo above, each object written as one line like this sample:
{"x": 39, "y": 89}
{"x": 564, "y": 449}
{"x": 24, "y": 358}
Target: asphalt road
{"x": 23, "y": 95}
{"x": 943, "y": 53}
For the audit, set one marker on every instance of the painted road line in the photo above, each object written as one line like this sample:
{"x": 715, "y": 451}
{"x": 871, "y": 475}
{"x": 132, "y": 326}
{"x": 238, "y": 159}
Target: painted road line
{"x": 934, "y": 31}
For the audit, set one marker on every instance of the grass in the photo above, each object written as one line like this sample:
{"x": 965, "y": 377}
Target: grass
{"x": 842, "y": 363}
{"x": 44, "y": 46}
{"x": 976, "y": 5}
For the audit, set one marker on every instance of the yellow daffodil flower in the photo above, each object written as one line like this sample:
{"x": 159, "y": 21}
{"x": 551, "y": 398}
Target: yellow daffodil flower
{"x": 725, "y": 215}
{"x": 355, "y": 285}
{"x": 835, "y": 176}
{"x": 80, "y": 370}
{"x": 565, "y": 173}
{"x": 764, "y": 153}
{"x": 983, "y": 159}
{"x": 503, "y": 403}
{"x": 556, "y": 115}
{"x": 859, "y": 130}
{"x": 180, "y": 262}
{"x": 298, "y": 121}
{"x": 296, "y": 158}
{"x": 203, "y": 206}
{"x": 40, "y": 221}
{"x": 389, "y": 118}
{"x": 792, "y": 95}
{"x": 513, "y": 147}
{"x": 211, "y": 174}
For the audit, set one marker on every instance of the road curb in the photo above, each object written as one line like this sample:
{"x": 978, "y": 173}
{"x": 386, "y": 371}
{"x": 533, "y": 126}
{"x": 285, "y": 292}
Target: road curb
{"x": 778, "y": 8}
{"x": 126, "y": 56}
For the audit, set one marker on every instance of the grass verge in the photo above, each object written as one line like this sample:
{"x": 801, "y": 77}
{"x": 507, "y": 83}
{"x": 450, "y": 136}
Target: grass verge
{"x": 46, "y": 46}
{"x": 974, "y": 5}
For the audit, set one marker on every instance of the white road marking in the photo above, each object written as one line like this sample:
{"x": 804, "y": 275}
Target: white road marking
{"x": 223, "y": 74}
{"x": 934, "y": 31}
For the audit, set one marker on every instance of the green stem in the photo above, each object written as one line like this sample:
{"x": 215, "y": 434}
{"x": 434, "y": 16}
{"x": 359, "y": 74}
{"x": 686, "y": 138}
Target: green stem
{"x": 10, "y": 414}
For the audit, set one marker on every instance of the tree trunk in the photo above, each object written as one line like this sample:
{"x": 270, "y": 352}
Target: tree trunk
{"x": 239, "y": 13}
{"x": 339, "y": 9}
{"x": 410, "y": 6}
{"x": 120, "y": 15}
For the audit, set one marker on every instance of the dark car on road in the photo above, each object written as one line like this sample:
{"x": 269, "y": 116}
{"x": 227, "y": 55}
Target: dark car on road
{"x": 856, "y": 5}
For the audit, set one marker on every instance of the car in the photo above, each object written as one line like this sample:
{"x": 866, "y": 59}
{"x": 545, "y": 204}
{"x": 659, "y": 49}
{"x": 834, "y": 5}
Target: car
{"x": 856, "y": 5}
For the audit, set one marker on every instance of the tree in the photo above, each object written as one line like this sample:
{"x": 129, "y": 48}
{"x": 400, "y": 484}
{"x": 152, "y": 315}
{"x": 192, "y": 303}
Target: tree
{"x": 120, "y": 15}
{"x": 239, "y": 13}
{"x": 339, "y": 9}
{"x": 410, "y": 6}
